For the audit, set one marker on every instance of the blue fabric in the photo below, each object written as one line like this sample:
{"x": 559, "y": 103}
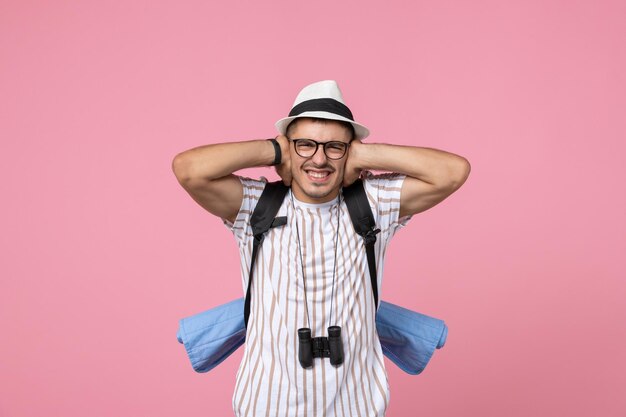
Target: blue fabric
{"x": 408, "y": 338}
{"x": 211, "y": 336}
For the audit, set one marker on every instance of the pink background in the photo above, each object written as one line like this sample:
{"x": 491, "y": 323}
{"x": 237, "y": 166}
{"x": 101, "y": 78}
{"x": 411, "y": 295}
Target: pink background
{"x": 103, "y": 252}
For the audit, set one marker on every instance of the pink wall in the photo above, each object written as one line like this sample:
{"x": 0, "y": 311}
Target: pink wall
{"x": 103, "y": 252}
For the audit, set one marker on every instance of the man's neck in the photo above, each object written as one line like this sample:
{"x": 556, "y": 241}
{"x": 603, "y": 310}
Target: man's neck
{"x": 307, "y": 200}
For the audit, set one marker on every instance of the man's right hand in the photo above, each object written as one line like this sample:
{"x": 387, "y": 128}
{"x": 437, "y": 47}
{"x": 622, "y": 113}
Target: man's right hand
{"x": 284, "y": 168}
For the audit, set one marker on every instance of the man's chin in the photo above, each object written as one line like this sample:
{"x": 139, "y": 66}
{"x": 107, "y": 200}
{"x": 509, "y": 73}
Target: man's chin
{"x": 320, "y": 193}
{"x": 316, "y": 191}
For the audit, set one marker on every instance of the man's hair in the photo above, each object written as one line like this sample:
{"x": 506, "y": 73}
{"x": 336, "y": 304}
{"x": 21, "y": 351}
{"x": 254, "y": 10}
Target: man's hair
{"x": 294, "y": 122}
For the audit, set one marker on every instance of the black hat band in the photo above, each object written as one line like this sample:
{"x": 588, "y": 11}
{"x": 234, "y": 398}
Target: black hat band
{"x": 322, "y": 104}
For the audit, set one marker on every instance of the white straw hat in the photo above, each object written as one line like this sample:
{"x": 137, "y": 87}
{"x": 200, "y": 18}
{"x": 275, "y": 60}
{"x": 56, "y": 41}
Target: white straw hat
{"x": 322, "y": 100}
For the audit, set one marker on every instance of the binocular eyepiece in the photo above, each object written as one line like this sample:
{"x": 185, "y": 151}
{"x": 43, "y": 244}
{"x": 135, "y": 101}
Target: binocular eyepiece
{"x": 320, "y": 347}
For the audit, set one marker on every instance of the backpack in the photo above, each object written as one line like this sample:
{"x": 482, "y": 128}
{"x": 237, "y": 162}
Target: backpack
{"x": 407, "y": 338}
{"x": 264, "y": 218}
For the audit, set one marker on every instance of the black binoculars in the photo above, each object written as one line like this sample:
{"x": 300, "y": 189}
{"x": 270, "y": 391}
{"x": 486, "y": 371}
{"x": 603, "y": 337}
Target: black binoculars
{"x": 320, "y": 347}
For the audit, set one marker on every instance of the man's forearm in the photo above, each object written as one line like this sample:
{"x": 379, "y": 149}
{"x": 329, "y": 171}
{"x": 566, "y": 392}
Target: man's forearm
{"x": 430, "y": 165}
{"x": 216, "y": 161}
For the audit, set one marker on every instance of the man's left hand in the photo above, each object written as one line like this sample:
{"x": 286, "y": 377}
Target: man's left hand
{"x": 352, "y": 169}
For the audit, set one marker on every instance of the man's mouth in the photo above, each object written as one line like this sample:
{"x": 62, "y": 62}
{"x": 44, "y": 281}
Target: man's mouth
{"x": 317, "y": 175}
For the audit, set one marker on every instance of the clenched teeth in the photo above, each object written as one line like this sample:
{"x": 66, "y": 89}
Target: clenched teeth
{"x": 318, "y": 174}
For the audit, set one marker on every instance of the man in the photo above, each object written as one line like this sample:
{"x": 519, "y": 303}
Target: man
{"x": 312, "y": 273}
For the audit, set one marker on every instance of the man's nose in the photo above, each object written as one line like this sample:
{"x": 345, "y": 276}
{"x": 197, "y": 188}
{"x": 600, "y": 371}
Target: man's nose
{"x": 319, "y": 157}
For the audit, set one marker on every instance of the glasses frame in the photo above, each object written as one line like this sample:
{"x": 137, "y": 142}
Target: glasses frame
{"x": 317, "y": 145}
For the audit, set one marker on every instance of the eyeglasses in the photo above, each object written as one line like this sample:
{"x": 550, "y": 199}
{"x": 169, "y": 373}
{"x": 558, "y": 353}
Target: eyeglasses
{"x": 306, "y": 148}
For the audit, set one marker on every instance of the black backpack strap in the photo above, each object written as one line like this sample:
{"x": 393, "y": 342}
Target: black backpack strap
{"x": 263, "y": 219}
{"x": 365, "y": 225}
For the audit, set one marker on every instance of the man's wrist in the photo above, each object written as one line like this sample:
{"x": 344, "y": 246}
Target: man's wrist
{"x": 278, "y": 157}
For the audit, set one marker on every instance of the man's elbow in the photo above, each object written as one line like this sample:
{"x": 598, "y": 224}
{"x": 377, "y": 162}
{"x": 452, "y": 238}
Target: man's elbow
{"x": 181, "y": 166}
{"x": 459, "y": 173}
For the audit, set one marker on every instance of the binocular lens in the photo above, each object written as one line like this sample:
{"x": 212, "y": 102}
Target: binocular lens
{"x": 305, "y": 353}
{"x": 336, "y": 347}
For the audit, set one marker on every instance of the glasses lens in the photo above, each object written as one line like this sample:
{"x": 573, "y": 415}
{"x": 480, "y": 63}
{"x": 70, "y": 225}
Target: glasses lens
{"x": 335, "y": 150}
{"x": 305, "y": 147}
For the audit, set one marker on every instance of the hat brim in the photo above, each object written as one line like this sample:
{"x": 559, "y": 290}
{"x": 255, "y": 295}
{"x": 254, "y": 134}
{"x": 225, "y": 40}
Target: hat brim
{"x": 360, "y": 131}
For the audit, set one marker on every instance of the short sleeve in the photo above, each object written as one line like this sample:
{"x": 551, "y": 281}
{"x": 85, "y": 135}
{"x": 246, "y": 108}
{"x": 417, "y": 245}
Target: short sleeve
{"x": 383, "y": 192}
{"x": 252, "y": 190}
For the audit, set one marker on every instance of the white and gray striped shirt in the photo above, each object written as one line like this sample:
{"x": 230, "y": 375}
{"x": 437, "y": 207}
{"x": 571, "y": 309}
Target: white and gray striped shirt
{"x": 270, "y": 380}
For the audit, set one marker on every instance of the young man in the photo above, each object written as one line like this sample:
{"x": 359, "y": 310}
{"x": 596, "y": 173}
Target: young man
{"x": 312, "y": 273}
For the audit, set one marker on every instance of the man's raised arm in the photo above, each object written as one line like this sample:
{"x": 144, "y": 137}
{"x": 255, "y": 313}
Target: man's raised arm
{"x": 206, "y": 172}
{"x": 432, "y": 175}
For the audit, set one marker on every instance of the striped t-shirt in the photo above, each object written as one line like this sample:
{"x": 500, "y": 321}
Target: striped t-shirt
{"x": 270, "y": 380}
